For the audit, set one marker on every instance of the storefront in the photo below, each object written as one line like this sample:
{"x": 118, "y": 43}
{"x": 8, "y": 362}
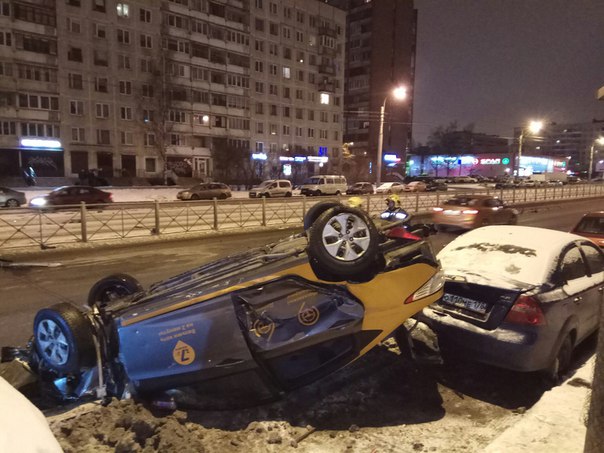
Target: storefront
{"x": 45, "y": 156}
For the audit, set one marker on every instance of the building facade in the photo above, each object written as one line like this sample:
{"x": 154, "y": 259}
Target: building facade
{"x": 135, "y": 87}
{"x": 297, "y": 67}
{"x": 380, "y": 56}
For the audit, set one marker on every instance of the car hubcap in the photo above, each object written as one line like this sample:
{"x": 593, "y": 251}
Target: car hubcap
{"x": 12, "y": 204}
{"x": 53, "y": 343}
{"x": 346, "y": 237}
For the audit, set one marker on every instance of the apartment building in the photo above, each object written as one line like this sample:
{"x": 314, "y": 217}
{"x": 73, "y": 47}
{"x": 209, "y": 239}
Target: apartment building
{"x": 297, "y": 68}
{"x": 380, "y": 56}
{"x": 30, "y": 116}
{"x": 127, "y": 87}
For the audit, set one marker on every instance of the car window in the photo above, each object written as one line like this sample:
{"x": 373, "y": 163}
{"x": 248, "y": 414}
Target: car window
{"x": 329, "y": 181}
{"x": 283, "y": 184}
{"x": 321, "y": 181}
{"x": 591, "y": 225}
{"x": 463, "y": 201}
{"x": 223, "y": 186}
{"x": 492, "y": 203}
{"x": 595, "y": 260}
{"x": 572, "y": 265}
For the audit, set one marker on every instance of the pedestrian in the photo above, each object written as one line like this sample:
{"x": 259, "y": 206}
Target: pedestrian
{"x": 92, "y": 177}
{"x": 82, "y": 176}
{"x": 30, "y": 176}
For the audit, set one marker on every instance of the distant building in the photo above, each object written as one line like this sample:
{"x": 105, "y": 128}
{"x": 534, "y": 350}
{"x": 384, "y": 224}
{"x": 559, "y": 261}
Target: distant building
{"x": 131, "y": 87}
{"x": 380, "y": 55}
{"x": 571, "y": 141}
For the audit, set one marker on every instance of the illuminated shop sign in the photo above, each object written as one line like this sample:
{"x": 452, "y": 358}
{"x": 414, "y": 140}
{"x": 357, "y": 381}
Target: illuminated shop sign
{"x": 320, "y": 159}
{"x": 259, "y": 156}
{"x": 391, "y": 158}
{"x": 40, "y": 143}
{"x": 496, "y": 161}
{"x": 286, "y": 159}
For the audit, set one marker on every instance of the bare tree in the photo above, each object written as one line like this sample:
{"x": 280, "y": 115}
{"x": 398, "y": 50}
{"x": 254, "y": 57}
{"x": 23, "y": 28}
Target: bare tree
{"x": 232, "y": 164}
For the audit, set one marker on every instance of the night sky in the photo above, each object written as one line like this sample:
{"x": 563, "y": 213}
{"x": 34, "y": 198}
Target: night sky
{"x": 500, "y": 63}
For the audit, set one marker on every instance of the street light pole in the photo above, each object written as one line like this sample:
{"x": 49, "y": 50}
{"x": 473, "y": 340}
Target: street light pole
{"x": 520, "y": 139}
{"x": 378, "y": 178}
{"x": 599, "y": 140}
{"x": 399, "y": 93}
{"x": 534, "y": 127}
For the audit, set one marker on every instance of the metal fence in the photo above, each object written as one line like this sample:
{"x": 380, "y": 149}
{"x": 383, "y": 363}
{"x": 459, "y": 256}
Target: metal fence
{"x": 23, "y": 228}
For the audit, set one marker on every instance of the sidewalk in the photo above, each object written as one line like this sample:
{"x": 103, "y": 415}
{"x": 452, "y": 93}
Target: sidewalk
{"x": 556, "y": 423}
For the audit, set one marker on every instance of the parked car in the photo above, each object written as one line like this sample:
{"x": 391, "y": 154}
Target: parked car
{"x": 360, "y": 188}
{"x": 272, "y": 188}
{"x": 519, "y": 297}
{"x": 206, "y": 191}
{"x": 473, "y": 211}
{"x": 324, "y": 185}
{"x": 436, "y": 185}
{"x": 11, "y": 198}
{"x": 591, "y": 226}
{"x": 415, "y": 186}
{"x": 390, "y": 188}
{"x": 465, "y": 180}
{"x": 72, "y": 195}
{"x": 505, "y": 184}
{"x": 246, "y": 327}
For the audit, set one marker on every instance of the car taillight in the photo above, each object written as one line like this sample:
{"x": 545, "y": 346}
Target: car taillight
{"x": 470, "y": 211}
{"x": 430, "y": 287}
{"x": 110, "y": 197}
{"x": 437, "y": 209}
{"x": 526, "y": 310}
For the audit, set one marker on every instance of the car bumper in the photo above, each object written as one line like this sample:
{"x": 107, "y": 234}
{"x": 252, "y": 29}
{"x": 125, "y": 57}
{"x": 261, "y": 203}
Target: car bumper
{"x": 519, "y": 349}
{"x": 183, "y": 197}
{"x": 460, "y": 221}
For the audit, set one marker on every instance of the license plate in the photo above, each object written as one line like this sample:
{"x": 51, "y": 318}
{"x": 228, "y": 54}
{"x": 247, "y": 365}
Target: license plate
{"x": 452, "y": 212}
{"x": 464, "y": 302}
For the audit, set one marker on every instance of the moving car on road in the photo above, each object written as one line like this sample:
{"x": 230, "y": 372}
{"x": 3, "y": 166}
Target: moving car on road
{"x": 360, "y": 188}
{"x": 591, "y": 226}
{"x": 11, "y": 198}
{"x": 518, "y": 297}
{"x": 324, "y": 185}
{"x": 72, "y": 195}
{"x": 390, "y": 188}
{"x": 206, "y": 191}
{"x": 473, "y": 211}
{"x": 247, "y": 326}
{"x": 415, "y": 186}
{"x": 272, "y": 188}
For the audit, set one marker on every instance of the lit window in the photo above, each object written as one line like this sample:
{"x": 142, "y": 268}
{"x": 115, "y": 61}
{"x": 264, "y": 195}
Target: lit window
{"x": 286, "y": 72}
{"x": 123, "y": 10}
{"x": 324, "y": 98}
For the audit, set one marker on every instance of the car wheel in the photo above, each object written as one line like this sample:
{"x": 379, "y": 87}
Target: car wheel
{"x": 223, "y": 196}
{"x": 318, "y": 193}
{"x": 63, "y": 339}
{"x": 194, "y": 197}
{"x": 266, "y": 195}
{"x": 315, "y": 211}
{"x": 338, "y": 193}
{"x": 12, "y": 203}
{"x": 288, "y": 194}
{"x": 343, "y": 243}
{"x": 112, "y": 287}
{"x": 561, "y": 364}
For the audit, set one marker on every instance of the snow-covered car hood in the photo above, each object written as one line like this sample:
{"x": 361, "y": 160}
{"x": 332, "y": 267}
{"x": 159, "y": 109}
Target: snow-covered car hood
{"x": 504, "y": 256}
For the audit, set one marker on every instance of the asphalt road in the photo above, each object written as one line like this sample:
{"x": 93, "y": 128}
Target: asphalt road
{"x": 23, "y": 291}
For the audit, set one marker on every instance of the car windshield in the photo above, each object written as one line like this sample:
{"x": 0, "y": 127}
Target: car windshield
{"x": 591, "y": 225}
{"x": 462, "y": 201}
{"x": 312, "y": 181}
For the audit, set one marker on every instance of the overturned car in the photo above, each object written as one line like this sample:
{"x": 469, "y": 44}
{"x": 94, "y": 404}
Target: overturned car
{"x": 249, "y": 326}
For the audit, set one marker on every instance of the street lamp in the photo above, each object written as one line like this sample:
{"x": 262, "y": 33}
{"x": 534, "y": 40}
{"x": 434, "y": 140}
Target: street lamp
{"x": 534, "y": 127}
{"x": 599, "y": 141}
{"x": 399, "y": 93}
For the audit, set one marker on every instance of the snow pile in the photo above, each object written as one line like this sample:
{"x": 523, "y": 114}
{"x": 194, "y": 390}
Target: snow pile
{"x": 23, "y": 427}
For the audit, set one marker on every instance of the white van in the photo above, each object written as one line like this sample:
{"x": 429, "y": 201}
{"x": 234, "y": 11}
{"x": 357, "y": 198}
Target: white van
{"x": 324, "y": 185}
{"x": 272, "y": 188}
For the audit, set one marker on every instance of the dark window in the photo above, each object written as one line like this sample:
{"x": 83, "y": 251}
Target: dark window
{"x": 594, "y": 258}
{"x": 572, "y": 266}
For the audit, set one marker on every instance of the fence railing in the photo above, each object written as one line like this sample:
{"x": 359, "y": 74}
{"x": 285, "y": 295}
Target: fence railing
{"x": 22, "y": 228}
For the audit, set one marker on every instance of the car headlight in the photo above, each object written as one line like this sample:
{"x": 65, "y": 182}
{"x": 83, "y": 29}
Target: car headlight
{"x": 38, "y": 201}
{"x": 430, "y": 287}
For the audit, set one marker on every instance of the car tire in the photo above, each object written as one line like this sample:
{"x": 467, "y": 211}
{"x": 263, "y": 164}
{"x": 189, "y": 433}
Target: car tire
{"x": 318, "y": 193}
{"x": 12, "y": 203}
{"x": 346, "y": 255}
{"x": 112, "y": 287}
{"x": 63, "y": 339}
{"x": 315, "y": 211}
{"x": 288, "y": 194}
{"x": 222, "y": 196}
{"x": 338, "y": 193}
{"x": 194, "y": 197}
{"x": 555, "y": 373}
{"x": 266, "y": 195}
